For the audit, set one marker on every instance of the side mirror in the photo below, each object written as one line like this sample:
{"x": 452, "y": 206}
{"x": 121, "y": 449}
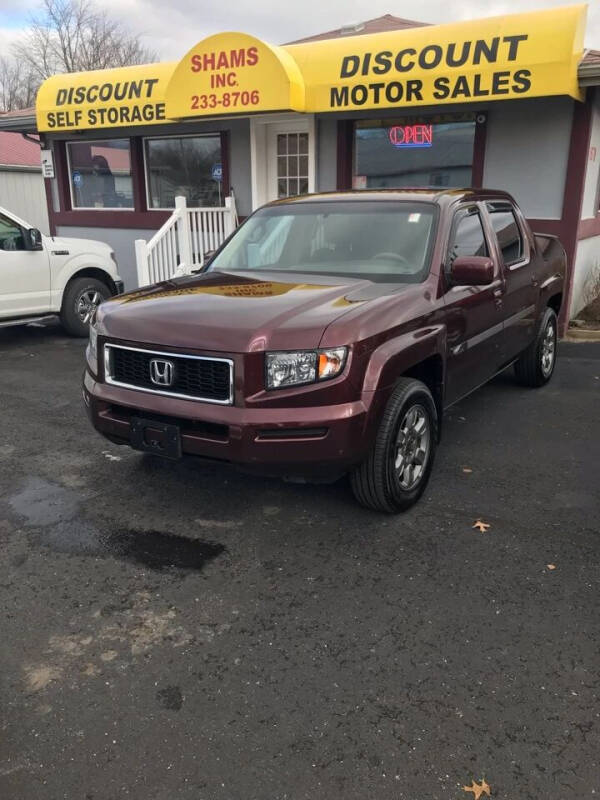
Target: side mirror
{"x": 207, "y": 256}
{"x": 33, "y": 239}
{"x": 472, "y": 271}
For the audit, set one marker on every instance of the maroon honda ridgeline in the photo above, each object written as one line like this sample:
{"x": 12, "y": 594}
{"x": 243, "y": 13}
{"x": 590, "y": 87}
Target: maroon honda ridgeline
{"x": 328, "y": 335}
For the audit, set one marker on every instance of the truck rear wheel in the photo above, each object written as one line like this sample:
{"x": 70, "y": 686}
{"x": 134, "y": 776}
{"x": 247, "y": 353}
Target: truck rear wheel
{"x": 536, "y": 365}
{"x": 82, "y": 297}
{"x": 396, "y": 471}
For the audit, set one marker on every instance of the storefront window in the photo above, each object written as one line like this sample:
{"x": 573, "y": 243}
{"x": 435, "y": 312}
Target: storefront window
{"x": 100, "y": 174}
{"x": 188, "y": 166}
{"x": 416, "y": 151}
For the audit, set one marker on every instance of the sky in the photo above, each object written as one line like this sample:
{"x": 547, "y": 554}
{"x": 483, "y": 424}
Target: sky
{"x": 171, "y": 27}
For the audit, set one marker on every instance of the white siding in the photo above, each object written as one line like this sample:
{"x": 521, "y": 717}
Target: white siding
{"x": 592, "y": 175}
{"x": 587, "y": 260}
{"x": 526, "y": 152}
{"x": 122, "y": 241}
{"x": 23, "y": 193}
{"x": 587, "y": 265}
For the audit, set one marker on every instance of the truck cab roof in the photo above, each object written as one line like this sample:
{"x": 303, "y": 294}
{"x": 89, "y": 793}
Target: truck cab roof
{"x": 425, "y": 195}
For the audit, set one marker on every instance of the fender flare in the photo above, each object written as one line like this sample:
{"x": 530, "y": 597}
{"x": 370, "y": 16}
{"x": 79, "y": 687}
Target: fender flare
{"x": 97, "y": 271}
{"x": 396, "y": 356}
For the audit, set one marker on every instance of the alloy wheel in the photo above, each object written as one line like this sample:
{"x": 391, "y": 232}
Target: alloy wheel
{"x": 548, "y": 352}
{"x": 412, "y": 447}
{"x": 87, "y": 303}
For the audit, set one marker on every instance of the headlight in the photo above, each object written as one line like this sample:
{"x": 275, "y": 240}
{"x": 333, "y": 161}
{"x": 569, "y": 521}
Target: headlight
{"x": 92, "y": 348}
{"x": 304, "y": 366}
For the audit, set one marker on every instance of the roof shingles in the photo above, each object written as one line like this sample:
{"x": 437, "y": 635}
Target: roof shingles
{"x": 388, "y": 22}
{"x": 16, "y": 151}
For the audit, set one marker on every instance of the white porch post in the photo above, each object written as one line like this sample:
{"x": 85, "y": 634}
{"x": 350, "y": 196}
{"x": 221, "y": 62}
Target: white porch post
{"x": 184, "y": 236}
{"x": 230, "y": 215}
{"x": 141, "y": 262}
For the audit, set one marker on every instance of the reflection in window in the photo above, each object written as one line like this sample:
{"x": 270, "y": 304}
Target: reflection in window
{"x": 414, "y": 152}
{"x": 508, "y": 233}
{"x": 11, "y": 235}
{"x": 386, "y": 242}
{"x": 100, "y": 174}
{"x": 188, "y": 166}
{"x": 468, "y": 239}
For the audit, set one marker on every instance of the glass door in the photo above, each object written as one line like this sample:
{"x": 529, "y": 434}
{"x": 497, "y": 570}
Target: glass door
{"x": 288, "y": 160}
{"x": 292, "y": 164}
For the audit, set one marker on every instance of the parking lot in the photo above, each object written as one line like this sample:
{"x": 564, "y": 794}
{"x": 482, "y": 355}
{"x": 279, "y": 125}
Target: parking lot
{"x": 181, "y": 630}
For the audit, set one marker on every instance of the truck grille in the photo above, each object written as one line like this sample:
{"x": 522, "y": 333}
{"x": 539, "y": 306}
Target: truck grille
{"x": 194, "y": 377}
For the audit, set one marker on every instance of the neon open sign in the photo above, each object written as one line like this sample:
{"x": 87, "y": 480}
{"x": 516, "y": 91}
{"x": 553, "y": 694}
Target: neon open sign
{"x": 411, "y": 135}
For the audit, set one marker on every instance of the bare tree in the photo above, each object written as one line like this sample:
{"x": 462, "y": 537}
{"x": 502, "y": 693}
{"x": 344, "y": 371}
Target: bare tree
{"x": 66, "y": 36}
{"x": 18, "y": 86}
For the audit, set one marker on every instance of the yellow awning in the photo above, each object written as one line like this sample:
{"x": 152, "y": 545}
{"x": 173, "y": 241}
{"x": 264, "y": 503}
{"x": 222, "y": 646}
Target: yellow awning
{"x": 233, "y": 73}
{"x": 107, "y": 98}
{"x": 498, "y": 58}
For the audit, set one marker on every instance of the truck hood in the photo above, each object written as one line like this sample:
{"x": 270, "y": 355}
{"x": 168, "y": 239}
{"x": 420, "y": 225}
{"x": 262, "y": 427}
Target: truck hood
{"x": 233, "y": 312}
{"x": 65, "y": 245}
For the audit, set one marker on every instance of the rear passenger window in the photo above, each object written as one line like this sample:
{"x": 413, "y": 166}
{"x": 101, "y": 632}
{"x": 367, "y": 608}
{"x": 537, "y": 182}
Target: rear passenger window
{"x": 468, "y": 238}
{"x": 508, "y": 232}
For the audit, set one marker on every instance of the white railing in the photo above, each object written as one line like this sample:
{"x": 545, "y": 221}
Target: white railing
{"x": 179, "y": 247}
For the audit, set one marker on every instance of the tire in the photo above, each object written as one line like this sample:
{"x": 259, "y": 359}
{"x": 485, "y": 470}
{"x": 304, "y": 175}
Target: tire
{"x": 536, "y": 365}
{"x": 377, "y": 483}
{"x": 81, "y": 297}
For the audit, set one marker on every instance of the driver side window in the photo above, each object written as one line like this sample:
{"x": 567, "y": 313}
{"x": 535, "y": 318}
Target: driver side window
{"x": 468, "y": 238}
{"x": 11, "y": 235}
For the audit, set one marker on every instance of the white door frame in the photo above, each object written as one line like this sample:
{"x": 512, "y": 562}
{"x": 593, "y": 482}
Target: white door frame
{"x": 259, "y": 150}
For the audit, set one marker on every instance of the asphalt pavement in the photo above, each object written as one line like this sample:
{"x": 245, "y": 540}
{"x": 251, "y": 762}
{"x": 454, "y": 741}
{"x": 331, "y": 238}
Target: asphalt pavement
{"x": 181, "y": 630}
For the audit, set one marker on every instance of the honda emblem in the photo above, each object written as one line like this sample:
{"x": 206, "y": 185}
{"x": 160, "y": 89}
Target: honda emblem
{"x": 162, "y": 372}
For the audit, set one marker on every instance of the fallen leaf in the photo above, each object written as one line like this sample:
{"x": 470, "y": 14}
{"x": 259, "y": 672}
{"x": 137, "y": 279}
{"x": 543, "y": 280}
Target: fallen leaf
{"x": 483, "y": 526}
{"x": 478, "y": 789}
{"x": 467, "y": 469}
{"x": 551, "y": 566}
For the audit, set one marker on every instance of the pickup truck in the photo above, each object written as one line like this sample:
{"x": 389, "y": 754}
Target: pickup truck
{"x": 47, "y": 275}
{"x": 328, "y": 335}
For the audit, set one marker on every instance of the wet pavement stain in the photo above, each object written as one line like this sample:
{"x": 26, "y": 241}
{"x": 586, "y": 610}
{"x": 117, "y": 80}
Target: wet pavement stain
{"x": 54, "y": 513}
{"x": 160, "y": 551}
{"x": 170, "y": 698}
{"x": 43, "y": 503}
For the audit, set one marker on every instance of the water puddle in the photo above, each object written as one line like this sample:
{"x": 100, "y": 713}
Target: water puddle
{"x": 152, "y": 549}
{"x": 159, "y": 551}
{"x": 56, "y": 514}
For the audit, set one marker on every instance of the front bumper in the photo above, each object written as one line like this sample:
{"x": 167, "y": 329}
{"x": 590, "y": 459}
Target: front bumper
{"x": 310, "y": 441}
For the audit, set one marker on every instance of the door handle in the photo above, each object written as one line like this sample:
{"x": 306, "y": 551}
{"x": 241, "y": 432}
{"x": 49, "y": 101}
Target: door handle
{"x": 534, "y": 280}
{"x": 498, "y": 292}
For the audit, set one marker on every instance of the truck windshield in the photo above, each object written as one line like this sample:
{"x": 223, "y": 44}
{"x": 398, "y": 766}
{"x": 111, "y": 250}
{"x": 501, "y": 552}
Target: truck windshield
{"x": 381, "y": 241}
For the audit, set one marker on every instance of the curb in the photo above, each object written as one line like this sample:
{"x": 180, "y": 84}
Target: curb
{"x": 582, "y": 335}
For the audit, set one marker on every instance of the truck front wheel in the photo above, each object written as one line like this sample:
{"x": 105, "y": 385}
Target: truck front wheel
{"x": 396, "y": 471}
{"x": 82, "y": 297}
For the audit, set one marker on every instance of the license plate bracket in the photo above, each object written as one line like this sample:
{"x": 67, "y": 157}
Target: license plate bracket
{"x": 158, "y": 438}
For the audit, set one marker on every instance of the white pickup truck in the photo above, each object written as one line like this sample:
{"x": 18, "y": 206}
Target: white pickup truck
{"x": 43, "y": 275}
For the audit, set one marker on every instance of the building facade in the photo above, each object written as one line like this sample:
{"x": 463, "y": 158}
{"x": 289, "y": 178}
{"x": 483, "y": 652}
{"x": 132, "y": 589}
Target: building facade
{"x": 506, "y": 102}
{"x": 21, "y": 182}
